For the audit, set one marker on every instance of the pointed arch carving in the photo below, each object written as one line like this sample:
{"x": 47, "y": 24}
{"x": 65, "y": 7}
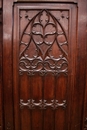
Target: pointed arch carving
{"x": 39, "y": 42}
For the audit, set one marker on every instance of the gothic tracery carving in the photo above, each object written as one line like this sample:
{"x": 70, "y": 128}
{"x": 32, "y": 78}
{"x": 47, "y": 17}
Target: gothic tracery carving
{"x": 42, "y": 33}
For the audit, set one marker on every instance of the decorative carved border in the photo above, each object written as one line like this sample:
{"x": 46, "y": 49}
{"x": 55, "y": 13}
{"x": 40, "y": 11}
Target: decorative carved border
{"x": 42, "y": 104}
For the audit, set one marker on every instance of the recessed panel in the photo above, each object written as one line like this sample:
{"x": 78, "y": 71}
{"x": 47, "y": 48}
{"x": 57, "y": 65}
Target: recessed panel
{"x": 44, "y": 48}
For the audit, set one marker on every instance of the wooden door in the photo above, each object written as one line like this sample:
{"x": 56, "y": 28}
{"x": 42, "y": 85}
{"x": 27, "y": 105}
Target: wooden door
{"x": 43, "y": 65}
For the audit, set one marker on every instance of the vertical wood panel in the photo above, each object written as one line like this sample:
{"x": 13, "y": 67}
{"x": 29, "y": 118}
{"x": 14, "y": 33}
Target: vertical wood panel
{"x": 84, "y": 113}
{"x": 23, "y": 90}
{"x": 61, "y": 88}
{"x": 49, "y": 94}
{"x": 61, "y": 94}
{"x": 49, "y": 119}
{"x": 25, "y": 119}
{"x": 16, "y": 83}
{"x": 77, "y": 104}
{"x": 25, "y": 94}
{"x": 36, "y": 90}
{"x": 36, "y": 87}
{"x": 37, "y": 119}
{"x": 60, "y": 119}
{"x": 49, "y": 87}
{"x": 1, "y": 87}
{"x": 25, "y": 87}
{"x": 7, "y": 64}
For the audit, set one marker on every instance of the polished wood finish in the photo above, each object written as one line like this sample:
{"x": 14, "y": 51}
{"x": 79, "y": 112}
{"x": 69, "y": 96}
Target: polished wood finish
{"x": 44, "y": 64}
{"x": 84, "y": 125}
{"x": 38, "y": 83}
{"x": 1, "y": 89}
{"x": 67, "y": 1}
{"x": 0, "y": 3}
{"x": 80, "y": 67}
{"x": 7, "y": 65}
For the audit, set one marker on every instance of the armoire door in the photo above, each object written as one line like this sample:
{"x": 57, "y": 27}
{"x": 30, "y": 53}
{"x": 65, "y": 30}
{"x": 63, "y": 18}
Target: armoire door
{"x": 42, "y": 69}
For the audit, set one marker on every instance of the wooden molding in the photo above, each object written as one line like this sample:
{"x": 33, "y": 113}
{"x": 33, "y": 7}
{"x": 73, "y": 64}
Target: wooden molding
{"x": 0, "y": 3}
{"x": 70, "y": 1}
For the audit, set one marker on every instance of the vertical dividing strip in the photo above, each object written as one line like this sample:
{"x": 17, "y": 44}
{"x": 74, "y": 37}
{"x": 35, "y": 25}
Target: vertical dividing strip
{"x": 19, "y": 98}
{"x": 55, "y": 98}
{"x": 43, "y": 88}
{"x": 30, "y": 98}
{"x": 42, "y": 100}
{"x": 12, "y": 64}
{"x": 19, "y": 75}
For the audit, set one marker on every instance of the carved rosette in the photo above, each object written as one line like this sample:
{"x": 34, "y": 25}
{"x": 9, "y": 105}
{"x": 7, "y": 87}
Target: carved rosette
{"x": 43, "y": 45}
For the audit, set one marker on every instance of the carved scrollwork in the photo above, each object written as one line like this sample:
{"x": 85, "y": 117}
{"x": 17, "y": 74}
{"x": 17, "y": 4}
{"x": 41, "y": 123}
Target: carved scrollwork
{"x": 42, "y": 104}
{"x": 54, "y": 67}
{"x": 43, "y": 33}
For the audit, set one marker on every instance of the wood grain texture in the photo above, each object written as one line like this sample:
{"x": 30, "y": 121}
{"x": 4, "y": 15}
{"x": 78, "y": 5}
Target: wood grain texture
{"x": 84, "y": 114}
{"x": 78, "y": 100}
{"x": 7, "y": 64}
{"x": 0, "y": 3}
{"x": 44, "y": 65}
{"x": 1, "y": 89}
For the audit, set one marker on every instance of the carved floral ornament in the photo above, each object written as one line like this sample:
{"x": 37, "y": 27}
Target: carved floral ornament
{"x": 43, "y": 32}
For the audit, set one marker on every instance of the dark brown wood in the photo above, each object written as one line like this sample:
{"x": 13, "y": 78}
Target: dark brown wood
{"x": 47, "y": 83}
{"x": 1, "y": 89}
{"x": 44, "y": 64}
{"x": 1, "y": 4}
{"x": 78, "y": 101}
{"x": 7, "y": 65}
{"x": 84, "y": 125}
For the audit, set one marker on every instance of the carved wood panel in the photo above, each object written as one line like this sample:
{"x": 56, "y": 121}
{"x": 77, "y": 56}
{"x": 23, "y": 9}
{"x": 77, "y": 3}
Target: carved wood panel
{"x": 44, "y": 35}
{"x": 42, "y": 64}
